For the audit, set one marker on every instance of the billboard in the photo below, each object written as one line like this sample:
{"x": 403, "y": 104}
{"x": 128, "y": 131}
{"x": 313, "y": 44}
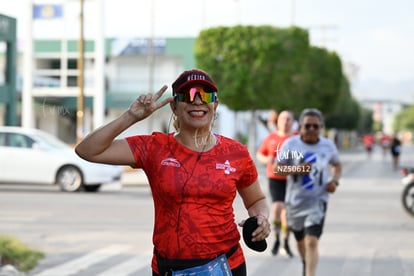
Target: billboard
{"x": 47, "y": 11}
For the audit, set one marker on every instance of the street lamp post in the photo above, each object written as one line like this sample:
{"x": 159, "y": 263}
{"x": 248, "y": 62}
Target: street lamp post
{"x": 81, "y": 98}
{"x": 151, "y": 60}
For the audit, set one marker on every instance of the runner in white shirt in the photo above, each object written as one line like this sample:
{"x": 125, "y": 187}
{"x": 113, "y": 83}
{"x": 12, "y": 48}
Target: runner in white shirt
{"x": 313, "y": 167}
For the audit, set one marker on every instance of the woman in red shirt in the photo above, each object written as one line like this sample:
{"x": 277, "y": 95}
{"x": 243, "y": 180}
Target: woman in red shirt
{"x": 194, "y": 176}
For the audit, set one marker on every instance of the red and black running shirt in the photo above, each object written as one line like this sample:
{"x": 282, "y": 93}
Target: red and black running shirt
{"x": 193, "y": 194}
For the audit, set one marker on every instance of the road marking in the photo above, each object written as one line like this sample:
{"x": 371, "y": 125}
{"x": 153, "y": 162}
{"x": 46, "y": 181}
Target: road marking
{"x": 292, "y": 268}
{"x": 129, "y": 266}
{"x": 406, "y": 257}
{"x": 268, "y": 265}
{"x": 10, "y": 216}
{"x": 253, "y": 264}
{"x": 18, "y": 219}
{"x": 81, "y": 263}
{"x": 358, "y": 262}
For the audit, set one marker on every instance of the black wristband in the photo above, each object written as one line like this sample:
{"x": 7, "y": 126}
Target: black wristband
{"x": 336, "y": 182}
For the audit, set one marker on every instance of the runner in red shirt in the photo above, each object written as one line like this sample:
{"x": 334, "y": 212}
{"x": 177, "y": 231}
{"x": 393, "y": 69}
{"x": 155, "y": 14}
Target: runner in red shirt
{"x": 194, "y": 175}
{"x": 385, "y": 141}
{"x": 266, "y": 154}
{"x": 369, "y": 141}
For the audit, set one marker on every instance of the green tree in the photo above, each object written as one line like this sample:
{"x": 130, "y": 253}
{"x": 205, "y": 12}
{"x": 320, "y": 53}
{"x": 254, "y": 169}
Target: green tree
{"x": 347, "y": 111}
{"x": 404, "y": 120}
{"x": 366, "y": 122}
{"x": 264, "y": 67}
{"x": 325, "y": 86}
{"x": 255, "y": 67}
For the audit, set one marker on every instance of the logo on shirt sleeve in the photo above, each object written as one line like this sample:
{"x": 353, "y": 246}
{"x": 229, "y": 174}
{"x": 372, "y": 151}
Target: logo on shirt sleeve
{"x": 226, "y": 167}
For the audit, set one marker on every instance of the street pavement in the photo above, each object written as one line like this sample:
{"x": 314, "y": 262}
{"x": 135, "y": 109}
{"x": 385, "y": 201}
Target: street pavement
{"x": 367, "y": 232}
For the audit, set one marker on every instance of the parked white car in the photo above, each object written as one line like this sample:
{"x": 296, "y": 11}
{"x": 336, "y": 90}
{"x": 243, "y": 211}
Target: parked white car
{"x": 34, "y": 156}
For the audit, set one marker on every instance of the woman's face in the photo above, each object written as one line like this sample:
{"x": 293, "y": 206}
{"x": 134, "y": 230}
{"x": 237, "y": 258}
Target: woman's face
{"x": 195, "y": 108}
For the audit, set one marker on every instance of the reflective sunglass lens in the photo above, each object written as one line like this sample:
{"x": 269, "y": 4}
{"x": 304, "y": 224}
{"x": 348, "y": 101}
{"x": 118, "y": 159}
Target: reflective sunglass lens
{"x": 189, "y": 95}
{"x": 314, "y": 126}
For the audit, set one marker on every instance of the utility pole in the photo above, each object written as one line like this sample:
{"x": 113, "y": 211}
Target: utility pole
{"x": 293, "y": 14}
{"x": 81, "y": 70}
{"x": 27, "y": 96}
{"x": 151, "y": 61}
{"x": 323, "y": 29}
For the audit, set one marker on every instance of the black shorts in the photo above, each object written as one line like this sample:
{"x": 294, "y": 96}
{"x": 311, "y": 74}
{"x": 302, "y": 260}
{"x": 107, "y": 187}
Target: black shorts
{"x": 395, "y": 153}
{"x": 277, "y": 188}
{"x": 313, "y": 230}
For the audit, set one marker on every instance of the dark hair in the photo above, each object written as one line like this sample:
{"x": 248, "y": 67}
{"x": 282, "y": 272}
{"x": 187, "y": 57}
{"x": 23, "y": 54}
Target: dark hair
{"x": 311, "y": 112}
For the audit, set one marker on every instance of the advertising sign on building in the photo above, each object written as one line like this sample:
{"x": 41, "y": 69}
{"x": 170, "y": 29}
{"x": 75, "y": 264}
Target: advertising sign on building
{"x": 138, "y": 46}
{"x": 47, "y": 11}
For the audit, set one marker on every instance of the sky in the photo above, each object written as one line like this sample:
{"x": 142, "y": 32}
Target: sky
{"x": 374, "y": 38}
